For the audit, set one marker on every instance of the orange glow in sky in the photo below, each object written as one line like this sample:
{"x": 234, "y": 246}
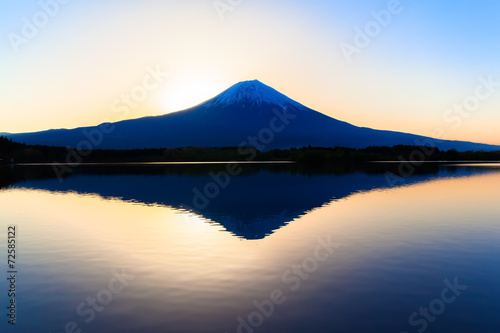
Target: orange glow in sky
{"x": 406, "y": 75}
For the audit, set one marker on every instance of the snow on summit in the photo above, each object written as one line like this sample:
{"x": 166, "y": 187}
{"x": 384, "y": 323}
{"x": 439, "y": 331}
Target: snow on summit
{"x": 251, "y": 92}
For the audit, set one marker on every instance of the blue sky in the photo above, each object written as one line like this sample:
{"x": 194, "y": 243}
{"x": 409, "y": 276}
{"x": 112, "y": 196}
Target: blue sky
{"x": 419, "y": 65}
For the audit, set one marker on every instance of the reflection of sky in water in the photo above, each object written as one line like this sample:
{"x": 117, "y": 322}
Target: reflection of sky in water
{"x": 397, "y": 247}
{"x": 251, "y": 206}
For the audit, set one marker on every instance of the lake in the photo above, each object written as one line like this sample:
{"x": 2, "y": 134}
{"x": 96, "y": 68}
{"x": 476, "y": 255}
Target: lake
{"x": 252, "y": 248}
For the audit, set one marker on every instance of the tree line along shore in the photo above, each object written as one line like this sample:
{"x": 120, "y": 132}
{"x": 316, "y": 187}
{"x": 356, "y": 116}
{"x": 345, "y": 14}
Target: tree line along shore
{"x": 13, "y": 152}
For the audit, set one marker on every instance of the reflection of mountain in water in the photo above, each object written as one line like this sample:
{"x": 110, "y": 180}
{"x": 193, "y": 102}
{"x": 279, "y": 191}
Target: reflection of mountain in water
{"x": 254, "y": 204}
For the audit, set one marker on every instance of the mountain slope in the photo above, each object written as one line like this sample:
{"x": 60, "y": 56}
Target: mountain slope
{"x": 249, "y": 114}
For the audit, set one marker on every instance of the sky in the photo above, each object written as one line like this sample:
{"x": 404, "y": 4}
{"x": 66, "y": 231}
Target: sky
{"x": 417, "y": 66}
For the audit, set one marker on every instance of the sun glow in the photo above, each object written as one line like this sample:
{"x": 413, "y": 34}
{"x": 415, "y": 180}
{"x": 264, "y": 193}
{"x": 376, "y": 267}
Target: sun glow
{"x": 187, "y": 91}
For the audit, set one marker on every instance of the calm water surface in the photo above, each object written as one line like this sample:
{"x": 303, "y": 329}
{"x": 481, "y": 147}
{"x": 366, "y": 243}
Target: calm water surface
{"x": 276, "y": 248}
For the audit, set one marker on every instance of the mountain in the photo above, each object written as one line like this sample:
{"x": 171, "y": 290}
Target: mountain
{"x": 249, "y": 113}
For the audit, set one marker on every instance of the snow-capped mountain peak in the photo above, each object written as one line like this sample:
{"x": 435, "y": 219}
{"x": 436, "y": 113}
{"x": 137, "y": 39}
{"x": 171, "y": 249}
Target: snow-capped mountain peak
{"x": 251, "y": 92}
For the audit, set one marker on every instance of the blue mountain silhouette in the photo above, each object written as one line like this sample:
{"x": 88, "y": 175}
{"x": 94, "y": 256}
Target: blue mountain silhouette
{"x": 249, "y": 113}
